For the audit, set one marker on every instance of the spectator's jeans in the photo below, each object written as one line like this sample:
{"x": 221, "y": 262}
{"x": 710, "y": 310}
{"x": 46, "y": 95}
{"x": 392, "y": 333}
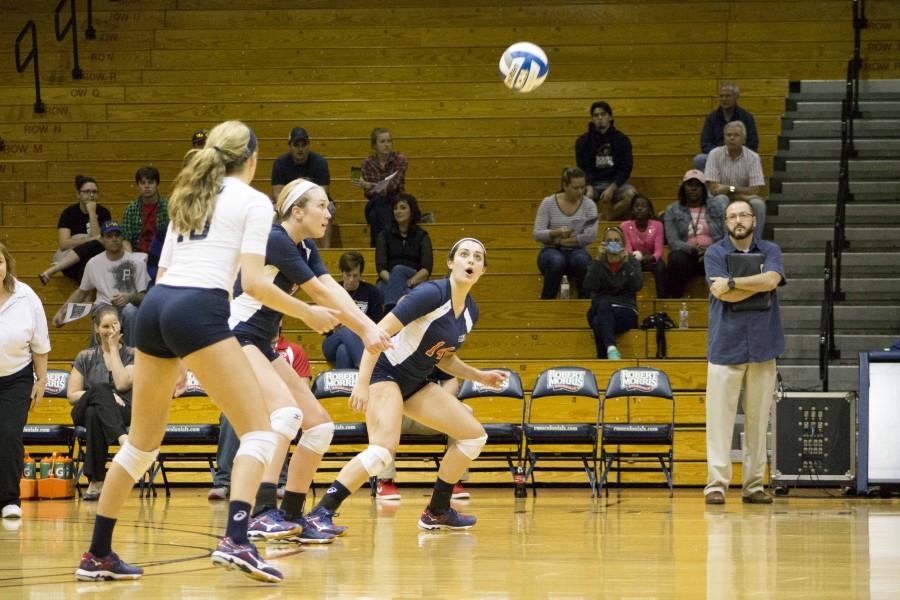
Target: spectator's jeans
{"x": 658, "y": 268}
{"x": 395, "y": 286}
{"x": 556, "y": 262}
{"x": 700, "y": 161}
{"x": 379, "y": 216}
{"x": 608, "y": 321}
{"x": 683, "y": 265}
{"x": 620, "y": 207}
{"x": 759, "y": 209}
{"x": 343, "y": 348}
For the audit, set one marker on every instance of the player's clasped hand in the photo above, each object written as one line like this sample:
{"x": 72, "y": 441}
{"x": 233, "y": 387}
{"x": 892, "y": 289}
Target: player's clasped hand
{"x": 376, "y": 340}
{"x": 322, "y": 319}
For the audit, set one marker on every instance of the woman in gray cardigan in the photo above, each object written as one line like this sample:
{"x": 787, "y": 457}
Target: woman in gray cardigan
{"x": 566, "y": 223}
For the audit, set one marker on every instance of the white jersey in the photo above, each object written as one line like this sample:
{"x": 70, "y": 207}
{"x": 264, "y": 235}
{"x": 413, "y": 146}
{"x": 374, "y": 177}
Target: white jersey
{"x": 210, "y": 259}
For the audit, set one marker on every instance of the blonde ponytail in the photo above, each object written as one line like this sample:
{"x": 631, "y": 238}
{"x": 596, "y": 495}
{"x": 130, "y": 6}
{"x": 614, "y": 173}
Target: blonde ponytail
{"x": 193, "y": 200}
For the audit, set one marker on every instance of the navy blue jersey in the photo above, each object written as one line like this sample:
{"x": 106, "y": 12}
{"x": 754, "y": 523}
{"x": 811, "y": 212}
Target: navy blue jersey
{"x": 288, "y": 265}
{"x": 430, "y": 329}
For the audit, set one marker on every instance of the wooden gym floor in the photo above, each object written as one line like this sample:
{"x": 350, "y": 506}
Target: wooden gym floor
{"x": 635, "y": 544}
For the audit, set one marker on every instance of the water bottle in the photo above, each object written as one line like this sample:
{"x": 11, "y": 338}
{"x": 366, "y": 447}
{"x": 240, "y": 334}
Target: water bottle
{"x": 519, "y": 483}
{"x": 683, "y": 316}
{"x": 29, "y": 471}
{"x": 564, "y": 288}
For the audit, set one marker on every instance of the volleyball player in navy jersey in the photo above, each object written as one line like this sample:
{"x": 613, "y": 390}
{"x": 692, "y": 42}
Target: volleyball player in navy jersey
{"x": 218, "y": 223}
{"x": 292, "y": 261}
{"x": 429, "y": 326}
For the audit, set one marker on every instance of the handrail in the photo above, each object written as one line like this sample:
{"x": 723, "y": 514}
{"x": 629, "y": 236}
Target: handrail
{"x": 21, "y": 65}
{"x": 90, "y": 33}
{"x": 71, "y": 25}
{"x": 827, "y": 347}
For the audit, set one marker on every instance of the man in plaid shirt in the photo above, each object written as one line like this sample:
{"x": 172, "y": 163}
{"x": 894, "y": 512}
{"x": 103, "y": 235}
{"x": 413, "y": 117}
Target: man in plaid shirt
{"x": 147, "y": 214}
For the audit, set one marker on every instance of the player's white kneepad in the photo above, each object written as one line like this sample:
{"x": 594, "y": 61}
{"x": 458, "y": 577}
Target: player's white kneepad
{"x": 471, "y": 448}
{"x": 259, "y": 445}
{"x": 318, "y": 438}
{"x": 135, "y": 461}
{"x": 286, "y": 421}
{"x": 374, "y": 459}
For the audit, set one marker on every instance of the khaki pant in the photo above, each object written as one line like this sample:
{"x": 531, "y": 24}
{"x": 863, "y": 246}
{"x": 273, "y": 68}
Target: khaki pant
{"x": 723, "y": 390}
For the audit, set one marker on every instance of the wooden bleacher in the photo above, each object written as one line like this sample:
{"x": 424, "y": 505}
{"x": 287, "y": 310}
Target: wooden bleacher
{"x": 481, "y": 157}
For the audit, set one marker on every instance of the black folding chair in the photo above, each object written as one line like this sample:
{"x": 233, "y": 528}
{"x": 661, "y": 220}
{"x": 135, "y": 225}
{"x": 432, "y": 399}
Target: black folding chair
{"x": 563, "y": 440}
{"x": 636, "y": 441}
{"x": 329, "y": 387}
{"x": 505, "y": 439}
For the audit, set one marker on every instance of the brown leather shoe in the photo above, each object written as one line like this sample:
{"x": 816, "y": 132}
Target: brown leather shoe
{"x": 715, "y": 498}
{"x": 757, "y": 497}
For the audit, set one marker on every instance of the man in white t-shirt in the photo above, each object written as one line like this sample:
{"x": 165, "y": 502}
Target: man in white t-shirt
{"x": 119, "y": 278}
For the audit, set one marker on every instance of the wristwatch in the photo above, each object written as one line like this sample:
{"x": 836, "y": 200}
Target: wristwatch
{"x": 730, "y": 282}
{"x": 730, "y": 189}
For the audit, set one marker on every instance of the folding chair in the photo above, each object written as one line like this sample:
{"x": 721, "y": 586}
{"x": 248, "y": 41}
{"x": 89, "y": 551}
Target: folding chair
{"x": 52, "y": 434}
{"x": 205, "y": 436}
{"x": 564, "y": 440}
{"x": 504, "y": 438}
{"x": 637, "y": 437}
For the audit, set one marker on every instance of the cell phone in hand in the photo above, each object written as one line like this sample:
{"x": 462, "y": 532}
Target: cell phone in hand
{"x": 355, "y": 172}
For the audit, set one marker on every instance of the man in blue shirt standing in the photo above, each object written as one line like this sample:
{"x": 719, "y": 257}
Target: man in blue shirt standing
{"x": 741, "y": 349}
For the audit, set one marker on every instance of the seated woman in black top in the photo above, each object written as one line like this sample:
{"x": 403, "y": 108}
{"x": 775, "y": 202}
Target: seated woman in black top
{"x": 403, "y": 255}
{"x": 100, "y": 392}
{"x": 613, "y": 279}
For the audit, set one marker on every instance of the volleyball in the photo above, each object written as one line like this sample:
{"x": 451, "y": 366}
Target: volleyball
{"x": 523, "y": 67}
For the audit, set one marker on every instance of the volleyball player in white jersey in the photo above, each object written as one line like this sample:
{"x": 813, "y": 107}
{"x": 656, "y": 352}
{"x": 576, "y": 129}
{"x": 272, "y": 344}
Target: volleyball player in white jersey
{"x": 429, "y": 325}
{"x": 218, "y": 223}
{"x": 292, "y": 261}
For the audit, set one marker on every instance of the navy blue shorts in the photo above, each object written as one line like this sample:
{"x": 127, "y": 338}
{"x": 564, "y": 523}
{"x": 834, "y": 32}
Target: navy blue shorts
{"x": 408, "y": 385}
{"x": 178, "y": 321}
{"x": 265, "y": 346}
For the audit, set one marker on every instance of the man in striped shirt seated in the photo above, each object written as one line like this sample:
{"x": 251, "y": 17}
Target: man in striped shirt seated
{"x": 734, "y": 172}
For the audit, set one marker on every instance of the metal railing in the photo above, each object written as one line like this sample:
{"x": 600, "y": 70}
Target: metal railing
{"x": 834, "y": 250}
{"x": 70, "y": 26}
{"x": 32, "y": 57}
{"x": 827, "y": 348}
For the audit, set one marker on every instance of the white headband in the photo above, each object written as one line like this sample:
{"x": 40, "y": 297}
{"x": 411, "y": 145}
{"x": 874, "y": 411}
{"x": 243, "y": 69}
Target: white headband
{"x": 301, "y": 188}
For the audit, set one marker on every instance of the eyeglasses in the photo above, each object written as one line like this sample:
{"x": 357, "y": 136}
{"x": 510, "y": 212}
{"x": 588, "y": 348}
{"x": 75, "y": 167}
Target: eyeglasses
{"x": 741, "y": 216}
{"x": 89, "y": 192}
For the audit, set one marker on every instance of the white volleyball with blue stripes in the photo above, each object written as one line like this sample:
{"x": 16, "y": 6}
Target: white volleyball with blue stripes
{"x": 523, "y": 67}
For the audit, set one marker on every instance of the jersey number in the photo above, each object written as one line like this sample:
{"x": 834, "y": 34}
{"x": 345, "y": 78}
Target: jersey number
{"x": 194, "y": 236}
{"x": 438, "y": 350}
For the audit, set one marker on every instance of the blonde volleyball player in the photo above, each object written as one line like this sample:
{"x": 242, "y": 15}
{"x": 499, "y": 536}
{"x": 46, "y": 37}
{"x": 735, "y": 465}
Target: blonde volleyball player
{"x": 218, "y": 223}
{"x": 292, "y": 260}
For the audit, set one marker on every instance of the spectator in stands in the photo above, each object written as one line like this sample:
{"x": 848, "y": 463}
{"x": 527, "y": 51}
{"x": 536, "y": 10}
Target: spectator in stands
{"x": 119, "y": 278}
{"x": 199, "y": 138}
{"x": 734, "y": 172}
{"x": 604, "y": 154}
{"x": 147, "y": 215}
{"x": 295, "y": 355}
{"x": 386, "y": 485}
{"x": 644, "y": 241}
{"x": 380, "y": 192}
{"x": 566, "y": 223}
{"x": 303, "y": 163}
{"x": 100, "y": 394}
{"x": 403, "y": 253}
{"x": 24, "y": 346}
{"x": 341, "y": 346}
{"x": 741, "y": 347}
{"x": 78, "y": 232}
{"x": 713, "y": 134}
{"x": 613, "y": 280}
{"x": 693, "y": 222}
